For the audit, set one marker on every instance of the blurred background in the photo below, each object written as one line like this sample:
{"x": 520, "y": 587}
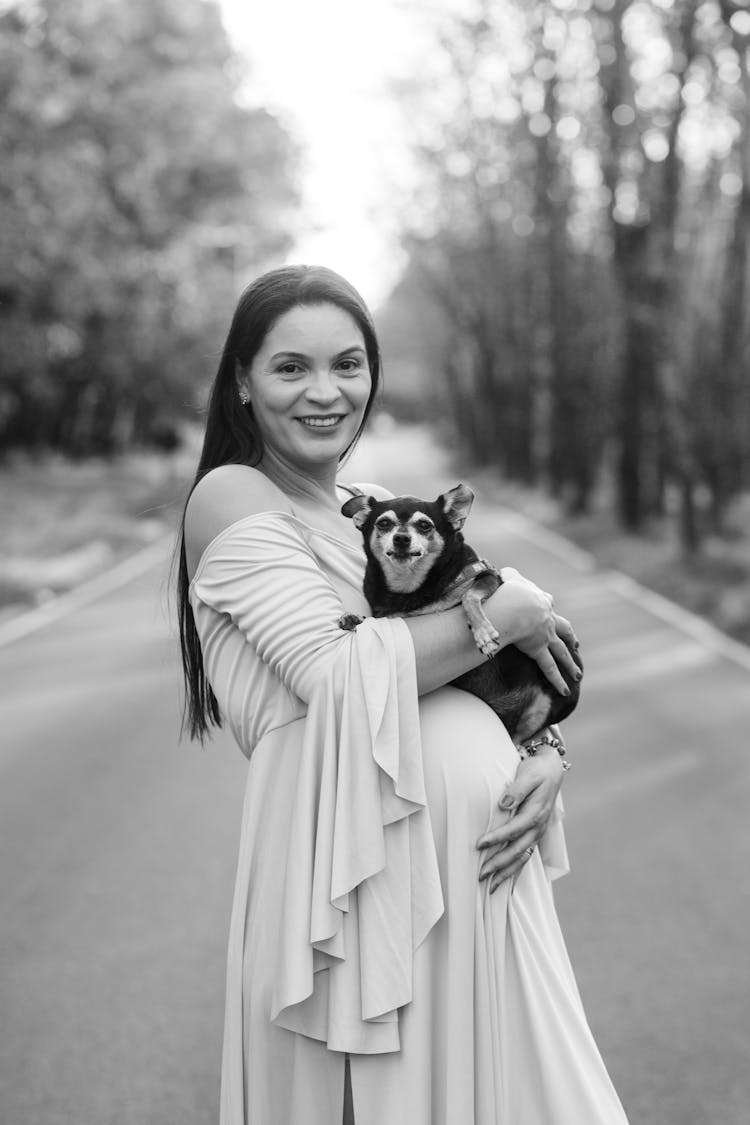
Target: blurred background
{"x": 547, "y": 207}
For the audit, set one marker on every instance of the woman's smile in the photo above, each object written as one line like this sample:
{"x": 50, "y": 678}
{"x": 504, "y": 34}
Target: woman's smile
{"x": 309, "y": 386}
{"x": 321, "y": 421}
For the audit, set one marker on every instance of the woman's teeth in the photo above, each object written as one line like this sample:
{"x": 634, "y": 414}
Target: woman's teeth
{"x": 322, "y": 422}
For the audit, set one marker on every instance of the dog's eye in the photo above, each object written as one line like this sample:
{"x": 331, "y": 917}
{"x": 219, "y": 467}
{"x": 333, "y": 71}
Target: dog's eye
{"x": 424, "y": 527}
{"x": 384, "y": 523}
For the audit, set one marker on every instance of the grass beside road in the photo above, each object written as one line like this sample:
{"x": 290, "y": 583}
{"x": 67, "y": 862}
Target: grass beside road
{"x": 64, "y": 521}
{"x": 713, "y": 583}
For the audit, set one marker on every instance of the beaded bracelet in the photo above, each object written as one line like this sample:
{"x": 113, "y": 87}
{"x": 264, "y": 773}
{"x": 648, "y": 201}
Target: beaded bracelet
{"x": 531, "y": 748}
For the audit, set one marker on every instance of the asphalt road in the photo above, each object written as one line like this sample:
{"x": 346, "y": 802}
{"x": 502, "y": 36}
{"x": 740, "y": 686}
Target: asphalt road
{"x": 117, "y": 851}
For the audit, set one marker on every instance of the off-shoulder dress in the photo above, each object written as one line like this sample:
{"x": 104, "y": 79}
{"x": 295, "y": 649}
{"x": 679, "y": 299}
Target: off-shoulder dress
{"x": 359, "y": 925}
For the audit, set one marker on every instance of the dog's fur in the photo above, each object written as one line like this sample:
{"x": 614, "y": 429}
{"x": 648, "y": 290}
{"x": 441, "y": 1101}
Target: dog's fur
{"x": 415, "y": 553}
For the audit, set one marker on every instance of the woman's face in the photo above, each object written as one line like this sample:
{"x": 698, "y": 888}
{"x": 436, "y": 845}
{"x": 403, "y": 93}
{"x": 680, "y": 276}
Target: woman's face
{"x": 309, "y": 384}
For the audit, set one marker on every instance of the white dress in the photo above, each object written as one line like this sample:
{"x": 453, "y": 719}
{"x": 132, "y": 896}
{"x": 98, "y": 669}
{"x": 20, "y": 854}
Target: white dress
{"x": 359, "y": 924}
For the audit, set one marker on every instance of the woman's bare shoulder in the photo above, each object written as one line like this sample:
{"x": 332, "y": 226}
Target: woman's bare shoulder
{"x": 222, "y": 497}
{"x": 375, "y": 490}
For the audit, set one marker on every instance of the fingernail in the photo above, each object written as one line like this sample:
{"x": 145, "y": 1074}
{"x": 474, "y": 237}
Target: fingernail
{"x": 578, "y": 676}
{"x": 567, "y": 690}
{"x": 507, "y": 802}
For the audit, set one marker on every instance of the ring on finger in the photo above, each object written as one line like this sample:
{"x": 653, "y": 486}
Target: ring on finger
{"x": 529, "y": 852}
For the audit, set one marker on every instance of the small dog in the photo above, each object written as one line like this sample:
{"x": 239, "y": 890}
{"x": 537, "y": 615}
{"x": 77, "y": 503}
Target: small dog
{"x": 418, "y": 562}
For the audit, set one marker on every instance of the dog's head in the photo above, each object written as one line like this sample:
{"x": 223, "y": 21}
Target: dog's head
{"x": 406, "y": 536}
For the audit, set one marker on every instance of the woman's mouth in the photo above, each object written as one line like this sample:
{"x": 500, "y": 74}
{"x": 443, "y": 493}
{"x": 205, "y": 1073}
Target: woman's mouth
{"x": 321, "y": 421}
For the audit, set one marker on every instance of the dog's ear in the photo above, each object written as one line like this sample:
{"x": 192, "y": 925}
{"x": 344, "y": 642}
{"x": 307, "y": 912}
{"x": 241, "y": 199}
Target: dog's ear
{"x": 457, "y": 505}
{"x": 358, "y": 509}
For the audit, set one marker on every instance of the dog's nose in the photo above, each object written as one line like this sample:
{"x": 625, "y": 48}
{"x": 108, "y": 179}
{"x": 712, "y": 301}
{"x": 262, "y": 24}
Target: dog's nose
{"x": 401, "y": 539}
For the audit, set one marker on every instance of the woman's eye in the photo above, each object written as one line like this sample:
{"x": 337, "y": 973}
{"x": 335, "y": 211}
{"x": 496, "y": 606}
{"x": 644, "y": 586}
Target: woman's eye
{"x": 349, "y": 366}
{"x": 290, "y": 368}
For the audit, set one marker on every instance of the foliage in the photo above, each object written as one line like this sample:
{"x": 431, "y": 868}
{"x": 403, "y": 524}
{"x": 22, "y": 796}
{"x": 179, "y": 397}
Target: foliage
{"x": 583, "y": 226}
{"x": 135, "y": 186}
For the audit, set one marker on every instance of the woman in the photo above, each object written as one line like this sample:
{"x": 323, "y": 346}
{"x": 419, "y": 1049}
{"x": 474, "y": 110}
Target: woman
{"x": 394, "y": 953}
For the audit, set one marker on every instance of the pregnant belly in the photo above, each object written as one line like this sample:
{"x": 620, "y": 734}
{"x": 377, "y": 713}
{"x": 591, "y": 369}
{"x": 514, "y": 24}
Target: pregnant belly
{"x": 469, "y": 759}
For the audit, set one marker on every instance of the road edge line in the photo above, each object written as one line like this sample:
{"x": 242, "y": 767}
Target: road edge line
{"x": 88, "y": 591}
{"x": 630, "y": 589}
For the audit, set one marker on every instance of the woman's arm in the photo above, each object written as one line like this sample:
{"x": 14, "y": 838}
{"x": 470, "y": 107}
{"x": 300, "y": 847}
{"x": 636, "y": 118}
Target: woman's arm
{"x": 529, "y": 801}
{"x": 523, "y": 616}
{"x": 443, "y": 644}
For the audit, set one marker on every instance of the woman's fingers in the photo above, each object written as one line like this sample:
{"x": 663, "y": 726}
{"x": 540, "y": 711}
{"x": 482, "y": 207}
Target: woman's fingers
{"x": 558, "y": 657}
{"x": 532, "y": 820}
{"x": 529, "y": 800}
{"x": 532, "y": 816}
{"x": 539, "y": 632}
{"x": 512, "y": 871}
{"x": 504, "y": 862}
{"x": 565, "y": 631}
{"x": 522, "y": 786}
{"x": 564, "y": 659}
{"x": 550, "y": 670}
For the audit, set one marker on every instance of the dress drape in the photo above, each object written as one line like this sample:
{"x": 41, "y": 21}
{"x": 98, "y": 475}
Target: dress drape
{"x": 359, "y": 924}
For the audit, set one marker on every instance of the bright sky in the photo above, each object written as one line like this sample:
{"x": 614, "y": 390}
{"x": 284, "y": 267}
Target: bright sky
{"x": 325, "y": 66}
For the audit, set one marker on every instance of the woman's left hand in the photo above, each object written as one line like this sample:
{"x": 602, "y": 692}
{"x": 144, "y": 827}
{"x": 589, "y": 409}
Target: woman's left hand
{"x": 529, "y": 801}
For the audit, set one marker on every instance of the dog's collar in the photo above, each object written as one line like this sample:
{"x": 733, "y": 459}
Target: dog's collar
{"x": 469, "y": 574}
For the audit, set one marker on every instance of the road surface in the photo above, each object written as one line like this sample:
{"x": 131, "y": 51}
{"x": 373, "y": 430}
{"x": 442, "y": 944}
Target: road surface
{"x": 117, "y": 850}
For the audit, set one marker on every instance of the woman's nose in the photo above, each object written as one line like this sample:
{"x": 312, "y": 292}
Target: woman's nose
{"x": 322, "y": 388}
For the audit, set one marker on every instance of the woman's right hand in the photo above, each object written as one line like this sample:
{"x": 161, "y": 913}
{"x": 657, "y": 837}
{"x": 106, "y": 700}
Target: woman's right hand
{"x": 523, "y": 615}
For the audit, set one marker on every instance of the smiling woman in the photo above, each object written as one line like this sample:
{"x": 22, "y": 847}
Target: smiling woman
{"x": 276, "y": 364}
{"x": 308, "y": 385}
{"x": 380, "y": 971}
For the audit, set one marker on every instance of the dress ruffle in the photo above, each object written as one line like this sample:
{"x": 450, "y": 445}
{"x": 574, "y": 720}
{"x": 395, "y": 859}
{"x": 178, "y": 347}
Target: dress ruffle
{"x": 362, "y": 887}
{"x": 361, "y": 799}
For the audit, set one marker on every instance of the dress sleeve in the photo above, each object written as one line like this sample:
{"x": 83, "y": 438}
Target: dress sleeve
{"x": 263, "y": 574}
{"x": 361, "y": 887}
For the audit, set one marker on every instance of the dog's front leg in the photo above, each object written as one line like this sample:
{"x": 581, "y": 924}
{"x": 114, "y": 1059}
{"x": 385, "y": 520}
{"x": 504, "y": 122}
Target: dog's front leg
{"x": 486, "y": 635}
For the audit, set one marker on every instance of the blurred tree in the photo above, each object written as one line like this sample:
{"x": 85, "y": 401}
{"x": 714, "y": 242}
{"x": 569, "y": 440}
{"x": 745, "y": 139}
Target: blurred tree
{"x": 499, "y": 241}
{"x": 583, "y": 226}
{"x": 644, "y": 205}
{"x": 728, "y": 467}
{"x": 134, "y": 186}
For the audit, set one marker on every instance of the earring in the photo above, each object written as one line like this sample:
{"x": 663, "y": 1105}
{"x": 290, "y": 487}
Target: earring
{"x": 244, "y": 396}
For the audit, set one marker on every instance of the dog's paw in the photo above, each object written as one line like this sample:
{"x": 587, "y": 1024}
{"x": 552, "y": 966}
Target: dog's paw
{"x": 487, "y": 639}
{"x": 350, "y": 621}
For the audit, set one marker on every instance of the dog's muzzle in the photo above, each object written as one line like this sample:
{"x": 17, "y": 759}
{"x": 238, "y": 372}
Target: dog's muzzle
{"x": 404, "y": 556}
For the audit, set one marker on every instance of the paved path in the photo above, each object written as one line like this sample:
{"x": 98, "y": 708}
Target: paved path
{"x": 117, "y": 850}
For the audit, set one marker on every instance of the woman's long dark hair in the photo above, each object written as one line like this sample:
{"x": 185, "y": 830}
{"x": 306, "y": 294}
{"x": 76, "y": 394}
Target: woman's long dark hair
{"x": 232, "y": 436}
